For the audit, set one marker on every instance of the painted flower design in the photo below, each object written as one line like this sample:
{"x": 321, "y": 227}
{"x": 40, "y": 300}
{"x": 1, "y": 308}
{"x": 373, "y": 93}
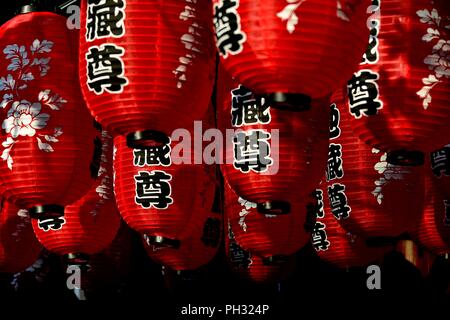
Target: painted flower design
{"x": 24, "y": 118}
{"x": 439, "y": 59}
{"x": 288, "y": 14}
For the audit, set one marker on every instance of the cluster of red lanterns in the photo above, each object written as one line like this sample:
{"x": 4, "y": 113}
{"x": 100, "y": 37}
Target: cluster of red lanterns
{"x": 92, "y": 119}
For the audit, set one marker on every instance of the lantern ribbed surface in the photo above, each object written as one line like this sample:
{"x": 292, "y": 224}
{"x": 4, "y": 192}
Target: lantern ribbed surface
{"x": 344, "y": 249}
{"x": 168, "y": 65}
{"x": 19, "y": 248}
{"x": 91, "y": 223}
{"x": 48, "y": 133}
{"x": 250, "y": 266}
{"x": 383, "y": 200}
{"x": 194, "y": 252}
{"x": 433, "y": 232}
{"x": 303, "y": 47}
{"x": 297, "y": 145}
{"x": 266, "y": 235}
{"x": 412, "y": 90}
{"x": 187, "y": 190}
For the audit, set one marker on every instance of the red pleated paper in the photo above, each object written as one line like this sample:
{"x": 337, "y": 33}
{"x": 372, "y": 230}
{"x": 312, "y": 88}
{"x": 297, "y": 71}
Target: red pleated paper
{"x": 176, "y": 203}
{"x": 48, "y": 133}
{"x": 90, "y": 224}
{"x": 381, "y": 199}
{"x": 291, "y": 46}
{"x": 165, "y": 74}
{"x": 404, "y": 106}
{"x": 338, "y": 246}
{"x": 297, "y": 144}
{"x": 250, "y": 266}
{"x": 194, "y": 252}
{"x": 266, "y": 235}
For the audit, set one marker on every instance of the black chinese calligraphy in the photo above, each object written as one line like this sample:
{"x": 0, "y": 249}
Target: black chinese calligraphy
{"x": 334, "y": 166}
{"x": 319, "y": 237}
{"x": 371, "y": 55}
{"x": 152, "y": 156}
{"x": 153, "y": 189}
{"x": 246, "y": 109}
{"x": 229, "y": 36}
{"x": 54, "y": 224}
{"x": 363, "y": 94}
{"x": 335, "y": 120}
{"x": 252, "y": 151}
{"x": 105, "y": 18}
{"x": 440, "y": 162}
{"x": 105, "y": 69}
{"x": 338, "y": 201}
{"x": 318, "y": 194}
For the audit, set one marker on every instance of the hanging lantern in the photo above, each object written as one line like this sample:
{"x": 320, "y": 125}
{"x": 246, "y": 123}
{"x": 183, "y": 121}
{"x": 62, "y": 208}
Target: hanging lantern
{"x": 290, "y": 51}
{"x": 146, "y": 68}
{"x": 399, "y": 98}
{"x": 433, "y": 232}
{"x": 18, "y": 245}
{"x": 90, "y": 224}
{"x": 195, "y": 251}
{"x": 47, "y": 133}
{"x": 273, "y": 237}
{"x": 274, "y": 155}
{"x": 368, "y": 195}
{"x": 336, "y": 245}
{"x": 250, "y": 266}
{"x": 159, "y": 195}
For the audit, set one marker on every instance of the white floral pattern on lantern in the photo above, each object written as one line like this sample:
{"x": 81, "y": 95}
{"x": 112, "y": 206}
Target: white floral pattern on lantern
{"x": 387, "y": 173}
{"x": 25, "y": 118}
{"x": 246, "y": 210}
{"x": 288, "y": 14}
{"x": 439, "y": 59}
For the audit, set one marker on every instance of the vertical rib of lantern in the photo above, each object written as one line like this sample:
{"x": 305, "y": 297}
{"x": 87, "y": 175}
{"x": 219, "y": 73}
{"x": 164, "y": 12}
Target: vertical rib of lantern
{"x": 345, "y": 248}
{"x": 298, "y": 149}
{"x": 19, "y": 247}
{"x": 433, "y": 232}
{"x": 385, "y": 200}
{"x": 192, "y": 191}
{"x": 157, "y": 96}
{"x": 61, "y": 176}
{"x": 250, "y": 266}
{"x": 318, "y": 55}
{"x": 404, "y": 122}
{"x": 194, "y": 251}
{"x": 266, "y": 235}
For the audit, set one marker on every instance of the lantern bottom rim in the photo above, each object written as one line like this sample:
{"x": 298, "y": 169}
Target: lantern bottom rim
{"x": 402, "y": 157}
{"x": 276, "y": 207}
{"x": 46, "y": 211}
{"x": 146, "y": 139}
{"x": 162, "y": 242}
{"x": 288, "y": 101}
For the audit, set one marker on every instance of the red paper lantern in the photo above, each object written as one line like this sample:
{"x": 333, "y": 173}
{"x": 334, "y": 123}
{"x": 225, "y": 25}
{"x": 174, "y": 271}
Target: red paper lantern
{"x": 433, "y": 232}
{"x": 291, "y": 50}
{"x": 368, "y": 195}
{"x": 272, "y": 237}
{"x": 274, "y": 155}
{"x": 195, "y": 251}
{"x": 336, "y": 245}
{"x": 399, "y": 97}
{"x": 146, "y": 67}
{"x": 90, "y": 224}
{"x": 47, "y": 137}
{"x": 159, "y": 197}
{"x": 19, "y": 248}
{"x": 250, "y": 266}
